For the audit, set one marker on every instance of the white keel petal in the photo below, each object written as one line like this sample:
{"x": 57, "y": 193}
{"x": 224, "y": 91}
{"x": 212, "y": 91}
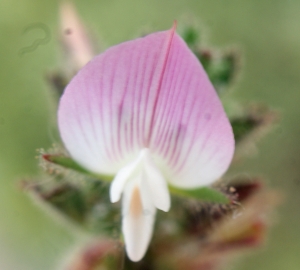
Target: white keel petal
{"x": 156, "y": 185}
{"x": 118, "y": 184}
{"x": 137, "y": 223}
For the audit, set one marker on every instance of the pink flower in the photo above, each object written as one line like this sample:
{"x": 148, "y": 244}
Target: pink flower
{"x": 146, "y": 112}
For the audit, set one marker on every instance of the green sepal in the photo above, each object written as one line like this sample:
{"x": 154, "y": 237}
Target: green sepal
{"x": 69, "y": 163}
{"x": 253, "y": 123}
{"x": 86, "y": 204}
{"x": 221, "y": 69}
{"x": 205, "y": 194}
{"x": 191, "y": 36}
{"x": 243, "y": 126}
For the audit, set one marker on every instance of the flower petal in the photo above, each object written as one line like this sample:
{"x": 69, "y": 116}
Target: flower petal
{"x": 148, "y": 93}
{"x": 150, "y": 176}
{"x": 156, "y": 185}
{"x": 192, "y": 138}
{"x": 137, "y": 223}
{"x": 120, "y": 180}
{"x": 105, "y": 112}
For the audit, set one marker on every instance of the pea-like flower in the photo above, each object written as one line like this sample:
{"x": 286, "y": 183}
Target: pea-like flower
{"x": 146, "y": 112}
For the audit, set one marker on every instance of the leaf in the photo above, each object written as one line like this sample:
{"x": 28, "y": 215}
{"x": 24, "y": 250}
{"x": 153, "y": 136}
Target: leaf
{"x": 222, "y": 69}
{"x": 256, "y": 120}
{"x": 69, "y": 163}
{"x": 191, "y": 36}
{"x": 203, "y": 194}
{"x": 243, "y": 126}
{"x": 87, "y": 205}
{"x": 67, "y": 199}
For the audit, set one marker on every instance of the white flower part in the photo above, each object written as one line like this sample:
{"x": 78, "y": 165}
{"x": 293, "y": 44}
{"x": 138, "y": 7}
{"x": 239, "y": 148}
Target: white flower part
{"x": 144, "y": 189}
{"x": 117, "y": 186}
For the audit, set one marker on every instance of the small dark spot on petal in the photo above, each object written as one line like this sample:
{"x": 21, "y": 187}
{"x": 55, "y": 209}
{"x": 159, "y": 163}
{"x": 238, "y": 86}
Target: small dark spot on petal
{"x": 68, "y": 31}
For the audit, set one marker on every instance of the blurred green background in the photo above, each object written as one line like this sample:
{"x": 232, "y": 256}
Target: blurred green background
{"x": 268, "y": 32}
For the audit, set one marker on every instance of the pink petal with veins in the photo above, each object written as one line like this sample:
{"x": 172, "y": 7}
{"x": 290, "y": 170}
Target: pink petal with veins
{"x": 152, "y": 93}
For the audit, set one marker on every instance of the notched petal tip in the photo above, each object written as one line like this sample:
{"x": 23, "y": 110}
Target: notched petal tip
{"x": 119, "y": 182}
{"x": 174, "y": 27}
